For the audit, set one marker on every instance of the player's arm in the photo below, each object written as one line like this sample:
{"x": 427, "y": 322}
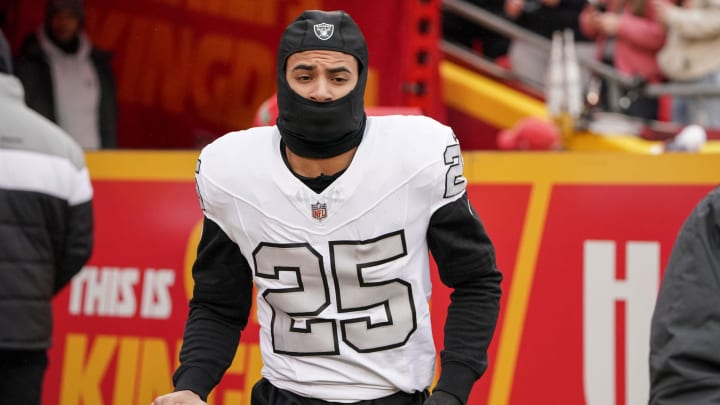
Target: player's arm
{"x": 465, "y": 257}
{"x": 219, "y": 311}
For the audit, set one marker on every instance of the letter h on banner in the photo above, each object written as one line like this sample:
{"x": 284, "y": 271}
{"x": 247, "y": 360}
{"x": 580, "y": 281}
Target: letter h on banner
{"x": 601, "y": 291}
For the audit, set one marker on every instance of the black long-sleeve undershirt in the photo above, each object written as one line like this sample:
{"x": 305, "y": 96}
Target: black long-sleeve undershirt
{"x": 465, "y": 258}
{"x": 219, "y": 311}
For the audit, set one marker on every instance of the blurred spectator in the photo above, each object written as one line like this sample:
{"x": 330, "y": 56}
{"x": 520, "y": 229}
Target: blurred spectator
{"x": 485, "y": 41}
{"x": 693, "y": 37}
{"x": 685, "y": 330}
{"x": 46, "y": 234}
{"x": 628, "y": 37}
{"x": 67, "y": 79}
{"x": 544, "y": 17}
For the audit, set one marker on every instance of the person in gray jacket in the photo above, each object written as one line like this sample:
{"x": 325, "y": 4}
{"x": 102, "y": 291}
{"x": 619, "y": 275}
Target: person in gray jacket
{"x": 685, "y": 331}
{"x": 46, "y": 233}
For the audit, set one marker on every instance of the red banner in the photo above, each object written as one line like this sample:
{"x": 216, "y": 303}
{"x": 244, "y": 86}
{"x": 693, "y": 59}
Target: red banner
{"x": 581, "y": 239}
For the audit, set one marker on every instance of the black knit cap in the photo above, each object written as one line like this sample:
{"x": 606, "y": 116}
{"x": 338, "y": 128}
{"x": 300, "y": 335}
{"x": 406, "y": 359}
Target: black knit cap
{"x": 75, "y": 7}
{"x": 321, "y": 129}
{"x": 323, "y": 30}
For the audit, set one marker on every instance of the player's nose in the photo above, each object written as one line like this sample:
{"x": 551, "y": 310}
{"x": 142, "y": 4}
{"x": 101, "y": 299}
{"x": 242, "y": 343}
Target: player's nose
{"x": 321, "y": 92}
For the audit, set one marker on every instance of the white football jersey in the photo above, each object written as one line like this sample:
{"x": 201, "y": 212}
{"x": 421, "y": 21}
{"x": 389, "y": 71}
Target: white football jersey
{"x": 342, "y": 276}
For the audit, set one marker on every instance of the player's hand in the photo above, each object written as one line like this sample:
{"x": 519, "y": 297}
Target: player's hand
{"x": 179, "y": 398}
{"x": 442, "y": 398}
{"x": 610, "y": 23}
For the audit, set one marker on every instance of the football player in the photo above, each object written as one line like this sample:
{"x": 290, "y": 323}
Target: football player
{"x": 331, "y": 215}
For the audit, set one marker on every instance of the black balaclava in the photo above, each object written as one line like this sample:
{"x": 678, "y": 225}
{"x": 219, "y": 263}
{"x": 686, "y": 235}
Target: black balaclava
{"x": 321, "y": 129}
{"x": 75, "y": 7}
{"x": 5, "y": 58}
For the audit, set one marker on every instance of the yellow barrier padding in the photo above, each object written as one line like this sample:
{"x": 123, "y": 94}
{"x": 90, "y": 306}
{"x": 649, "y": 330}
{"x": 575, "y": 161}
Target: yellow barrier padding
{"x": 480, "y": 167}
{"x": 585, "y": 141}
{"x": 142, "y": 165}
{"x": 591, "y": 168}
{"x": 711, "y": 147}
{"x": 486, "y": 99}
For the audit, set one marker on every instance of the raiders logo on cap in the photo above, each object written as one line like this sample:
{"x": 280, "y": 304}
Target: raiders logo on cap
{"x": 324, "y": 31}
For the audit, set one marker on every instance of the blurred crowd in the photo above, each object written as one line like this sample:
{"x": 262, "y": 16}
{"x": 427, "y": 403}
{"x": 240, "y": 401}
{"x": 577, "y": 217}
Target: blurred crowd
{"x": 651, "y": 41}
{"x": 70, "y": 81}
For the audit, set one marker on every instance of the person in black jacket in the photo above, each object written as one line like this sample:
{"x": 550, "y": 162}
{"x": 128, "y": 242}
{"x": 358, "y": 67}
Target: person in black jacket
{"x": 67, "y": 79}
{"x": 685, "y": 331}
{"x": 46, "y": 234}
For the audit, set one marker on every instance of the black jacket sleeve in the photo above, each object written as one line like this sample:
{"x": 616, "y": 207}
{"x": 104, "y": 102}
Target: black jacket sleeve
{"x": 107, "y": 109}
{"x": 77, "y": 244}
{"x": 465, "y": 257}
{"x": 685, "y": 328}
{"x": 219, "y": 310}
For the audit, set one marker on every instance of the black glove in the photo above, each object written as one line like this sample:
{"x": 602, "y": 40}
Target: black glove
{"x": 442, "y": 398}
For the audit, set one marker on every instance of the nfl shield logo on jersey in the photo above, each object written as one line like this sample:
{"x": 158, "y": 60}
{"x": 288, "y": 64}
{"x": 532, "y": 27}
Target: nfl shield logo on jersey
{"x": 319, "y": 210}
{"x": 324, "y": 31}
